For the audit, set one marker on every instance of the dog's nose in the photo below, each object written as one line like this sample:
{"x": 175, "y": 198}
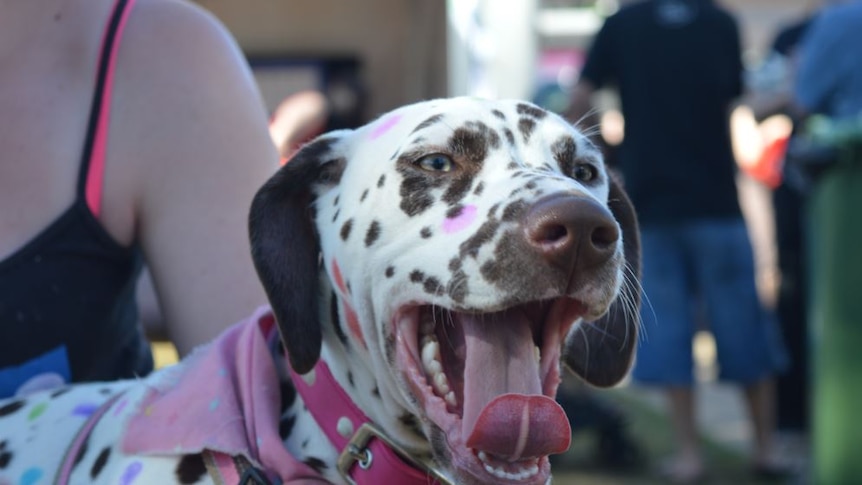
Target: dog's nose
{"x": 571, "y": 232}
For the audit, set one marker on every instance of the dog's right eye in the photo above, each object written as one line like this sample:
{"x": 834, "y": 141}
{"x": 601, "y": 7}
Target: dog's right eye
{"x": 436, "y": 163}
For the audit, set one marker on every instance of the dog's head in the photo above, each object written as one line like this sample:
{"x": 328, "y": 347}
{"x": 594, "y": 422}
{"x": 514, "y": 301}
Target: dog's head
{"x": 469, "y": 244}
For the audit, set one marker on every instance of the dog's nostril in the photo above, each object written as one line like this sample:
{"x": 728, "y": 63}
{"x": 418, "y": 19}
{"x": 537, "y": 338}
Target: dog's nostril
{"x": 605, "y": 236}
{"x": 551, "y": 233}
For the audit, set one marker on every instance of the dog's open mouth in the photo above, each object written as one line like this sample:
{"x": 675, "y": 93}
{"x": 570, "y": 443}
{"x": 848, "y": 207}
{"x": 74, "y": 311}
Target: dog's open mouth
{"x": 487, "y": 381}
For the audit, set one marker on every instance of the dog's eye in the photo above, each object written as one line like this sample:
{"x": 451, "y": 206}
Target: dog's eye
{"x": 436, "y": 163}
{"x": 585, "y": 172}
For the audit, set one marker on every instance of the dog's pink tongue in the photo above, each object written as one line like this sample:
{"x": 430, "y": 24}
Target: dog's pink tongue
{"x": 516, "y": 426}
{"x": 505, "y": 412}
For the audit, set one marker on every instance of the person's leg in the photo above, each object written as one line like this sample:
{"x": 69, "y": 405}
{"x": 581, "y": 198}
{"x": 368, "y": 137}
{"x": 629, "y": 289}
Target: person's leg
{"x": 664, "y": 355}
{"x": 748, "y": 344}
{"x": 760, "y": 401}
{"x": 687, "y": 465}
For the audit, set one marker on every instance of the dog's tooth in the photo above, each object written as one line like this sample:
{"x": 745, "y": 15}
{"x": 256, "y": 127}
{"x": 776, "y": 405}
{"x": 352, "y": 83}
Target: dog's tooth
{"x": 429, "y": 353}
{"x": 538, "y": 352}
{"x": 450, "y": 399}
{"x": 441, "y": 383}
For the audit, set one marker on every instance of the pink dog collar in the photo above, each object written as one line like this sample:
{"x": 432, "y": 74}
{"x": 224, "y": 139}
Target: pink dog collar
{"x": 368, "y": 456}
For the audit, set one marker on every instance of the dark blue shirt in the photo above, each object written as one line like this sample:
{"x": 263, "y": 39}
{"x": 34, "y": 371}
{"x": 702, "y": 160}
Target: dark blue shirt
{"x": 677, "y": 66}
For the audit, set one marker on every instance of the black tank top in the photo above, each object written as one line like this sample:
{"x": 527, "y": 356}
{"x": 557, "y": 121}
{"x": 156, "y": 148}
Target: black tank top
{"x": 67, "y": 298}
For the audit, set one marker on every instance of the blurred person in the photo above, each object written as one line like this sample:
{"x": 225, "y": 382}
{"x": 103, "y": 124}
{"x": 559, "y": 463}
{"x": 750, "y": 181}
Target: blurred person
{"x": 296, "y": 120}
{"x": 677, "y": 66}
{"x": 829, "y": 75}
{"x": 771, "y": 99}
{"x": 131, "y": 132}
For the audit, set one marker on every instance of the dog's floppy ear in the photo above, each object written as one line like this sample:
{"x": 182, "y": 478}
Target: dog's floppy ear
{"x": 601, "y": 352}
{"x": 285, "y": 246}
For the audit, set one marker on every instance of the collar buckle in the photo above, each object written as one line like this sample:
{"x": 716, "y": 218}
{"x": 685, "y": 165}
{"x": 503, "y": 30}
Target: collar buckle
{"x": 358, "y": 452}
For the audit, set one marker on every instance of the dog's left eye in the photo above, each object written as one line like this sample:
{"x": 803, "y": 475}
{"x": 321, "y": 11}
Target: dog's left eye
{"x": 585, "y": 172}
{"x": 436, "y": 163}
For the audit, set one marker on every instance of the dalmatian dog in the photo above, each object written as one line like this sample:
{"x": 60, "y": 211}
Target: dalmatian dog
{"x": 439, "y": 266}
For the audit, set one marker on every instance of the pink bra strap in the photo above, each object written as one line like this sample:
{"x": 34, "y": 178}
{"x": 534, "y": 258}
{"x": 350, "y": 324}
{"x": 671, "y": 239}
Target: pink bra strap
{"x": 98, "y": 139}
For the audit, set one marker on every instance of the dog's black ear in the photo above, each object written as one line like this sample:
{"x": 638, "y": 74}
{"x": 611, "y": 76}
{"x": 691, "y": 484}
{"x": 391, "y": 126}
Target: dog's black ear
{"x": 285, "y": 246}
{"x": 601, "y": 352}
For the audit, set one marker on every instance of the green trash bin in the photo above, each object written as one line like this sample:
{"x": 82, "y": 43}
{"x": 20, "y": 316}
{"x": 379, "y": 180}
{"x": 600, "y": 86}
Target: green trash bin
{"x": 835, "y": 262}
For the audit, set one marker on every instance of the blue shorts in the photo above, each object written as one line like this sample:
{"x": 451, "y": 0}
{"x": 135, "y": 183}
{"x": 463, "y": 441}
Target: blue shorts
{"x": 708, "y": 262}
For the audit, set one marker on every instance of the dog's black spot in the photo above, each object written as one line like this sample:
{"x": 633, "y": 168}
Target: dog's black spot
{"x": 457, "y": 288}
{"x": 335, "y": 201}
{"x": 99, "y": 464}
{"x": 531, "y": 185}
{"x": 285, "y": 426}
{"x": 472, "y": 142}
{"x": 433, "y": 120}
{"x": 372, "y": 234}
{"x": 526, "y": 127}
{"x": 417, "y": 276}
{"x": 105, "y": 391}
{"x": 336, "y": 320}
{"x": 483, "y": 235}
{"x": 411, "y": 423}
{"x": 335, "y": 216}
{"x": 390, "y": 271}
{"x": 480, "y": 187}
{"x": 304, "y": 443}
{"x": 347, "y": 285}
{"x": 389, "y": 345}
{"x": 417, "y": 185}
{"x": 491, "y": 270}
{"x": 514, "y": 210}
{"x": 331, "y": 171}
{"x": 363, "y": 196}
{"x": 315, "y": 463}
{"x": 381, "y": 181}
{"x": 510, "y": 137}
{"x": 432, "y": 285}
{"x": 425, "y": 233}
{"x": 191, "y": 468}
{"x": 455, "y": 211}
{"x": 513, "y": 165}
{"x": 288, "y": 395}
{"x": 376, "y": 392}
{"x": 492, "y": 212}
{"x": 498, "y": 114}
{"x": 530, "y": 110}
{"x": 7, "y": 409}
{"x": 345, "y": 229}
{"x": 350, "y": 379}
{"x": 565, "y": 150}
{"x": 5, "y": 456}
{"x": 515, "y": 192}
{"x": 60, "y": 392}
